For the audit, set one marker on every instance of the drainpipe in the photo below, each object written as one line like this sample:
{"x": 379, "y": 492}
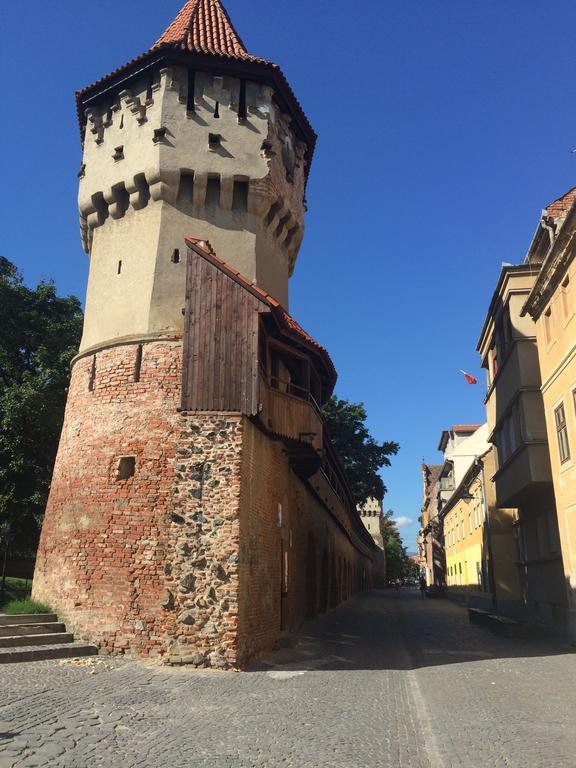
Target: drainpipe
{"x": 486, "y": 510}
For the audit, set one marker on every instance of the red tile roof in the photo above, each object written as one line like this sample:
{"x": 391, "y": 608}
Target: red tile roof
{"x": 466, "y": 427}
{"x": 288, "y": 324}
{"x": 204, "y": 26}
{"x": 560, "y": 207}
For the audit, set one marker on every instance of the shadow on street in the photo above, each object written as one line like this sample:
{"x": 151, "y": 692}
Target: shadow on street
{"x": 389, "y": 629}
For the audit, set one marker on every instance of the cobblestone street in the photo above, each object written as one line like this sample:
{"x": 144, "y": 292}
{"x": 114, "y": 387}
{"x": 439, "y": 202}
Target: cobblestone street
{"x": 388, "y": 679}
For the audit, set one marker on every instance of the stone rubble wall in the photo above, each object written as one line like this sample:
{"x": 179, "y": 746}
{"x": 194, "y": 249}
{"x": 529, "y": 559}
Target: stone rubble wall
{"x": 145, "y": 565}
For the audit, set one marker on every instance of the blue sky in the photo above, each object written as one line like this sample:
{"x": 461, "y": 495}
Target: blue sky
{"x": 445, "y": 126}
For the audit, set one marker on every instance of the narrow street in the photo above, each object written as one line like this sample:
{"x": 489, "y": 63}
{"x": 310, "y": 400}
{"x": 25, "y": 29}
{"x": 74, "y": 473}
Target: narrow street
{"x": 388, "y": 679}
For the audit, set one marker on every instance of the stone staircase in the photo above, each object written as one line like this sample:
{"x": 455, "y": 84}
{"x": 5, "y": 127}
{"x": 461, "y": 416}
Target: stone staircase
{"x": 38, "y": 636}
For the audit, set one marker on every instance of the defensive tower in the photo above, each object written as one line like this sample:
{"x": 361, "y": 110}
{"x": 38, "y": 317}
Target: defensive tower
{"x": 197, "y": 508}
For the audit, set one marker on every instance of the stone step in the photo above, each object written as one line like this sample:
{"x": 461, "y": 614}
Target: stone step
{"x": 45, "y": 628}
{"x": 26, "y": 618}
{"x": 44, "y": 652}
{"x": 52, "y": 638}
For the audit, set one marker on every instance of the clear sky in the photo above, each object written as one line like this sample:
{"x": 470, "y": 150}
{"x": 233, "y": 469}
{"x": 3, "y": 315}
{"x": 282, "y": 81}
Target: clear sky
{"x": 445, "y": 126}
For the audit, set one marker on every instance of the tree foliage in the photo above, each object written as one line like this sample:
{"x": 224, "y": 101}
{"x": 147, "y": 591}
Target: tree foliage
{"x": 360, "y": 454}
{"x": 39, "y": 335}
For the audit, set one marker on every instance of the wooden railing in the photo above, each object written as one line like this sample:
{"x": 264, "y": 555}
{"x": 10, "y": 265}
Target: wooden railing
{"x": 294, "y": 416}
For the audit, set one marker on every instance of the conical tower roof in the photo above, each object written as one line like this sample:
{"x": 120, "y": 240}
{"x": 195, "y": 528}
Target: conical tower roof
{"x": 203, "y": 26}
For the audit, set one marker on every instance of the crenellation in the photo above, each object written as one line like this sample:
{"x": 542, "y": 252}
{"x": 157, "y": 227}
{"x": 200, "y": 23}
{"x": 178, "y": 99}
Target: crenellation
{"x": 236, "y": 180}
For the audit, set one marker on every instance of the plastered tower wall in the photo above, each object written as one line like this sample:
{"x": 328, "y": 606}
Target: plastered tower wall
{"x": 155, "y": 169}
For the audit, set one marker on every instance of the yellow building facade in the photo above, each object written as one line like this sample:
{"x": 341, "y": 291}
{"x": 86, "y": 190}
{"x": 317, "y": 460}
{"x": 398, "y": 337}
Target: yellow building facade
{"x": 522, "y": 476}
{"x": 552, "y": 305}
{"x": 480, "y": 544}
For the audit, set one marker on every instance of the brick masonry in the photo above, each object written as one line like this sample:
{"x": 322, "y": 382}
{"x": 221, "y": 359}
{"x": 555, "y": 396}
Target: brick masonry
{"x": 183, "y": 559}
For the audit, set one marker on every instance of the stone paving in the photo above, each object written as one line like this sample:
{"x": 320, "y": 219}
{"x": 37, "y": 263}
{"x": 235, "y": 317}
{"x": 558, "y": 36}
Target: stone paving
{"x": 388, "y": 679}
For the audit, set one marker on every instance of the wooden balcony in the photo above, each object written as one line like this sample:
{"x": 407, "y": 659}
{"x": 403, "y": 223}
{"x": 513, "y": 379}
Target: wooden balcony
{"x": 294, "y": 418}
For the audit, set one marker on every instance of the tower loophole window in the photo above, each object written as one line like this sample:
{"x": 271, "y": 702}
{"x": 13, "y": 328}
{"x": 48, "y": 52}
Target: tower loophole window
{"x": 240, "y": 196}
{"x": 126, "y": 467}
{"x": 175, "y": 259}
{"x": 186, "y": 188}
{"x": 138, "y": 363}
{"x": 213, "y": 190}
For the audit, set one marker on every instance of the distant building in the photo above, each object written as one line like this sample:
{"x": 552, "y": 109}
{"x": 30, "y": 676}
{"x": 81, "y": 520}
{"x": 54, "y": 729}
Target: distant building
{"x": 552, "y": 305}
{"x": 517, "y": 428}
{"x": 430, "y": 545}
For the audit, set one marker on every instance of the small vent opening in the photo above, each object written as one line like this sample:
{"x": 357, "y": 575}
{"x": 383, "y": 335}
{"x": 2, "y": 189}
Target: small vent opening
{"x": 138, "y": 363}
{"x": 92, "y": 376}
{"x": 126, "y": 467}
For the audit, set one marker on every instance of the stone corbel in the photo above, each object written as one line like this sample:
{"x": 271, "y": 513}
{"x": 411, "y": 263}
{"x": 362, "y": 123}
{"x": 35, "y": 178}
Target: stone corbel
{"x": 263, "y": 105}
{"x": 169, "y": 82}
{"x": 84, "y": 232}
{"x": 300, "y": 150}
{"x": 286, "y": 223}
{"x": 132, "y": 104}
{"x": 218, "y": 92}
{"x": 164, "y": 186}
{"x": 138, "y": 195}
{"x": 278, "y": 215}
{"x": 199, "y": 193}
{"x": 94, "y": 124}
{"x": 258, "y": 198}
{"x": 226, "y": 192}
{"x": 114, "y": 208}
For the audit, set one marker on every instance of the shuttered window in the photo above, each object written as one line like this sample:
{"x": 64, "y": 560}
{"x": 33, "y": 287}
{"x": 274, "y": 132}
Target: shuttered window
{"x": 562, "y": 433}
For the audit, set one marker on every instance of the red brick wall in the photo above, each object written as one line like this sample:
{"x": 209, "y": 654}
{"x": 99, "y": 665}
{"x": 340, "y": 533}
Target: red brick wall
{"x": 183, "y": 559}
{"x": 103, "y": 544}
{"x": 141, "y": 565}
{"x": 305, "y": 530}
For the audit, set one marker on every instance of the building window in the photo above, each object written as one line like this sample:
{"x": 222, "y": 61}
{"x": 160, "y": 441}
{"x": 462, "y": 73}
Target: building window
{"x": 479, "y": 574}
{"x": 548, "y": 326}
{"x": 567, "y": 298}
{"x": 562, "y": 433}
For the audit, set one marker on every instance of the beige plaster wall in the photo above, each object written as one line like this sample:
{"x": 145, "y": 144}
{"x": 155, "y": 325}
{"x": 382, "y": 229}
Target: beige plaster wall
{"x": 135, "y": 209}
{"x": 558, "y": 364}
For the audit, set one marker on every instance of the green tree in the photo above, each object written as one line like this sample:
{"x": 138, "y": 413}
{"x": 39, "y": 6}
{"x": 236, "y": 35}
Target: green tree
{"x": 361, "y": 455}
{"x": 398, "y": 564}
{"x": 39, "y": 335}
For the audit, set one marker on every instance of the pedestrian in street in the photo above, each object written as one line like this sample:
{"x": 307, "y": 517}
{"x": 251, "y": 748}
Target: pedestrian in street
{"x": 423, "y": 585}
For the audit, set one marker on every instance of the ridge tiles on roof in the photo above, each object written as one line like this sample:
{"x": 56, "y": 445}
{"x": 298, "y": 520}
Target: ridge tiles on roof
{"x": 204, "y": 26}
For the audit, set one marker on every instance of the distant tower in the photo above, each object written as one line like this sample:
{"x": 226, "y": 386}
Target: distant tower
{"x": 196, "y": 136}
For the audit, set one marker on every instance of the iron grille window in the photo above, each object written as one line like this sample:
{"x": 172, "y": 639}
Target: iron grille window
{"x": 562, "y": 432}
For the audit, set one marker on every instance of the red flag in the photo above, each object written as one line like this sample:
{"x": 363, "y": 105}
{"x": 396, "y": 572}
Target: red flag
{"x": 469, "y": 378}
